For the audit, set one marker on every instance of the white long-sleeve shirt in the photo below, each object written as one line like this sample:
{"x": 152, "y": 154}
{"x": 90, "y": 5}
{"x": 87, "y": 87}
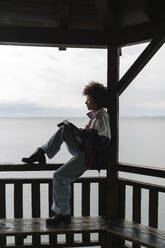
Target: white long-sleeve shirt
{"x": 100, "y": 122}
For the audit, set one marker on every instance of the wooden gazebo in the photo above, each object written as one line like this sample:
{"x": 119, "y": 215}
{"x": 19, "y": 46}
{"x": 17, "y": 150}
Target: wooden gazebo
{"x": 90, "y": 24}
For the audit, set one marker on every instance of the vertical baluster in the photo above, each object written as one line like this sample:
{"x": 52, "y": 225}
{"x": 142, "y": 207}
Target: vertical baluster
{"x": 2, "y": 209}
{"x": 35, "y": 208}
{"x": 136, "y": 208}
{"x": 3, "y": 200}
{"x": 86, "y": 199}
{"x": 18, "y": 200}
{"x": 70, "y": 236}
{"x": 18, "y": 207}
{"x": 136, "y": 205}
{"x": 153, "y": 208}
{"x": 72, "y": 199}
{"x": 121, "y": 207}
{"x": 52, "y": 237}
{"x": 102, "y": 209}
{"x": 86, "y": 207}
{"x": 102, "y": 199}
{"x": 121, "y": 200}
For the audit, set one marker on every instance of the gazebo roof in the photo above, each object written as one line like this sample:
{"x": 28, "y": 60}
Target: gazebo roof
{"x": 81, "y": 23}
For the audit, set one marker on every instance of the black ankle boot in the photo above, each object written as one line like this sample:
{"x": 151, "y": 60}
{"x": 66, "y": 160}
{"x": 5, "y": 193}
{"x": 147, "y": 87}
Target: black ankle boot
{"x": 37, "y": 156}
{"x": 57, "y": 219}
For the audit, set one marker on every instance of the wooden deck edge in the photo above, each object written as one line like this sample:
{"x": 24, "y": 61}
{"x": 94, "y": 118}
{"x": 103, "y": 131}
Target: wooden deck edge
{"x": 21, "y": 227}
{"x": 123, "y": 229}
{"x": 136, "y": 233}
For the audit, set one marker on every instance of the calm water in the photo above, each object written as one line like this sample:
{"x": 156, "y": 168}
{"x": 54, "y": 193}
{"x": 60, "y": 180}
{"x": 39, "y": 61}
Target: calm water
{"x": 142, "y": 141}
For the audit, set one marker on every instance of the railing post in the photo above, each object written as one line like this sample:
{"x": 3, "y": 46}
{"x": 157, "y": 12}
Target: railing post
{"x": 113, "y": 110}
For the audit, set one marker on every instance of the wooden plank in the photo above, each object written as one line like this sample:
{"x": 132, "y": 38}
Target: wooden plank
{"x": 62, "y": 245}
{"x": 121, "y": 209}
{"x": 140, "y": 234}
{"x": 102, "y": 200}
{"x": 35, "y": 187}
{"x": 86, "y": 208}
{"x": 17, "y": 227}
{"x": 35, "y": 200}
{"x": 137, "y": 233}
{"x": 140, "y": 63}
{"x": 153, "y": 208}
{"x": 142, "y": 185}
{"x": 103, "y": 239}
{"x": 102, "y": 209}
{"x": 2, "y": 209}
{"x": 27, "y": 167}
{"x": 18, "y": 207}
{"x": 136, "y": 208}
{"x": 121, "y": 200}
{"x": 48, "y": 180}
{"x": 52, "y": 237}
{"x": 141, "y": 169}
{"x": 85, "y": 199}
{"x": 136, "y": 205}
{"x": 50, "y": 197}
{"x": 72, "y": 199}
{"x": 70, "y": 236}
{"x": 3, "y": 200}
{"x": 18, "y": 200}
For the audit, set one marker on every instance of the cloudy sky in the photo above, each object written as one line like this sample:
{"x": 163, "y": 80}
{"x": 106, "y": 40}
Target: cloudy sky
{"x": 46, "y": 82}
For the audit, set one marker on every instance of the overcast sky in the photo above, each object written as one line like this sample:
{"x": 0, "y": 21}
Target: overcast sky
{"x": 42, "y": 82}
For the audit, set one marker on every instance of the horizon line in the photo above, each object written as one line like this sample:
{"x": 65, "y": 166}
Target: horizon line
{"x": 53, "y": 117}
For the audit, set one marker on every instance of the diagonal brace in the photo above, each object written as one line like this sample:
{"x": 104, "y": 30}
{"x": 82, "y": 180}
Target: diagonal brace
{"x": 139, "y": 64}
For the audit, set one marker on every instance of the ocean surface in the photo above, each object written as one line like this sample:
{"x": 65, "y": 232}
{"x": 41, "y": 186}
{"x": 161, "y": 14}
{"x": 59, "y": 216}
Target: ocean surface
{"x": 142, "y": 142}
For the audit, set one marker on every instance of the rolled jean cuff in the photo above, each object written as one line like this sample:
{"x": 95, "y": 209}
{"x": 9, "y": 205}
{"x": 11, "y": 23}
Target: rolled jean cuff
{"x": 49, "y": 154}
{"x": 57, "y": 210}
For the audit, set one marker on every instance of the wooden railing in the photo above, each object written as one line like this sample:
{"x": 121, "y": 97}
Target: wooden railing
{"x": 18, "y": 193}
{"x": 137, "y": 187}
{"x": 85, "y": 184}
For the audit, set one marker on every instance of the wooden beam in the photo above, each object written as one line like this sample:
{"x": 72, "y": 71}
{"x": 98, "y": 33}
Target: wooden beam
{"x": 106, "y": 15}
{"x": 140, "y": 63}
{"x": 49, "y": 36}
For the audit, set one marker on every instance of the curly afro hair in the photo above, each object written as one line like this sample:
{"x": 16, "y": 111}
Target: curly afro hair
{"x": 98, "y": 92}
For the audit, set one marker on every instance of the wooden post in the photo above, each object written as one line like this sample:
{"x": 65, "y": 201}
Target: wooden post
{"x": 113, "y": 110}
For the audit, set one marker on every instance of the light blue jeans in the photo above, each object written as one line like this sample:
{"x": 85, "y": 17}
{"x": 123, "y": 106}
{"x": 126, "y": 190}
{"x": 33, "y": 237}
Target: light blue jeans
{"x": 69, "y": 172}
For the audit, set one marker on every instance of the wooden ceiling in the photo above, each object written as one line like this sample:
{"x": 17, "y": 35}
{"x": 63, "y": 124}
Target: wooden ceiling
{"x": 81, "y": 23}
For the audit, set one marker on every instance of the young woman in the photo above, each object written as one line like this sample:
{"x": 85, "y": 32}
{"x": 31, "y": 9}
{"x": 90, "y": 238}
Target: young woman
{"x": 87, "y": 147}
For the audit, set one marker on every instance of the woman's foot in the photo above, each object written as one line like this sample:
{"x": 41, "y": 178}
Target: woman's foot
{"x": 58, "y": 219}
{"x": 38, "y": 156}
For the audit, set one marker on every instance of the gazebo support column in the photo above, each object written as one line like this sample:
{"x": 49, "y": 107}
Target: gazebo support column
{"x": 113, "y": 110}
